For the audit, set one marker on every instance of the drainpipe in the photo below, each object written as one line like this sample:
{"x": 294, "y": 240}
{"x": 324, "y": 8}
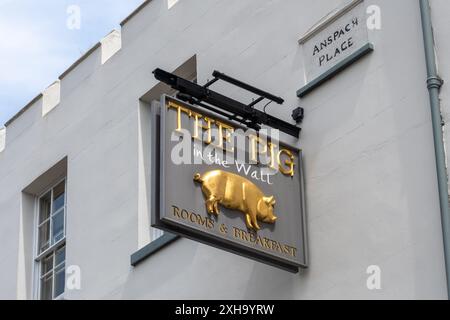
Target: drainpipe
{"x": 434, "y": 83}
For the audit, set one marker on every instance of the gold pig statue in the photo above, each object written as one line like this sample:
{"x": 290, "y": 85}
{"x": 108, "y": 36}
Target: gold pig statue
{"x": 237, "y": 193}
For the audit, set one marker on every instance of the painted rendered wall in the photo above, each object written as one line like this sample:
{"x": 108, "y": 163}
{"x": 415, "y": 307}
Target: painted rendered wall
{"x": 367, "y": 140}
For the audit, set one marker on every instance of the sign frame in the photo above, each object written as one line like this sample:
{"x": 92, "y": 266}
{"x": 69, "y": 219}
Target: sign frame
{"x": 158, "y": 169}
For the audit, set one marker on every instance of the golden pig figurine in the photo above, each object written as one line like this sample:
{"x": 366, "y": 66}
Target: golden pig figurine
{"x": 236, "y": 193}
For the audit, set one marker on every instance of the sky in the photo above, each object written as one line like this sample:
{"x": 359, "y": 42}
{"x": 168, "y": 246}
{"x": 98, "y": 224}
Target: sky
{"x": 39, "y": 40}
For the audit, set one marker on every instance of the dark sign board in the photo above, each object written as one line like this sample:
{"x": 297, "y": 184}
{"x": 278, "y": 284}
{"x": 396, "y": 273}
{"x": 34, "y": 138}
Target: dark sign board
{"x": 251, "y": 205}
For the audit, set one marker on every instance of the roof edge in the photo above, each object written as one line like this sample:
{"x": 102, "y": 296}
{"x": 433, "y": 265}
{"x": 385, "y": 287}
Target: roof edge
{"x": 29, "y": 104}
{"x": 81, "y": 59}
{"x": 136, "y": 11}
{"x": 65, "y": 73}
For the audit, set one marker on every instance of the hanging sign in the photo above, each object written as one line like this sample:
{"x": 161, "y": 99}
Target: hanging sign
{"x": 222, "y": 186}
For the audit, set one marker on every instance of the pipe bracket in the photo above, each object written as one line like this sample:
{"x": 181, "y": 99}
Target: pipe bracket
{"x": 434, "y": 82}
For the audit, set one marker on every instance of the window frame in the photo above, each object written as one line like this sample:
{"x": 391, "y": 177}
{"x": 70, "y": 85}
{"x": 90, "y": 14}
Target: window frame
{"x": 54, "y": 268}
{"x": 53, "y": 247}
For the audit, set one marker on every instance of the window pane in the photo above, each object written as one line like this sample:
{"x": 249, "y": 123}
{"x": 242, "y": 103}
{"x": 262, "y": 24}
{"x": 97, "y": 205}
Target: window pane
{"x": 60, "y": 256}
{"x": 58, "y": 196}
{"x": 46, "y": 288}
{"x": 58, "y": 227}
{"x": 47, "y": 264}
{"x": 60, "y": 279}
{"x": 44, "y": 236}
{"x": 44, "y": 207}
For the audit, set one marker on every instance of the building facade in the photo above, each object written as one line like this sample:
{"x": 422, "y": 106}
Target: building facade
{"x": 75, "y": 171}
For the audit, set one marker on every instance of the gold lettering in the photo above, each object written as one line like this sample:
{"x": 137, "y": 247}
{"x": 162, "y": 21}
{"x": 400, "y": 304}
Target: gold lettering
{"x": 193, "y": 218}
{"x": 294, "y": 251}
{"x": 282, "y": 160}
{"x": 184, "y": 214}
{"x": 199, "y": 126}
{"x": 253, "y": 145}
{"x": 259, "y": 242}
{"x": 245, "y": 236}
{"x": 202, "y": 221}
{"x": 265, "y": 243}
{"x": 272, "y": 155}
{"x": 224, "y": 137}
{"x": 257, "y": 146}
{"x": 289, "y": 171}
{"x": 238, "y": 233}
{"x": 176, "y": 211}
{"x": 179, "y": 110}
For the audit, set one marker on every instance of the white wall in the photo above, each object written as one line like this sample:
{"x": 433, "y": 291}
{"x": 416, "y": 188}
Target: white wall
{"x": 367, "y": 140}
